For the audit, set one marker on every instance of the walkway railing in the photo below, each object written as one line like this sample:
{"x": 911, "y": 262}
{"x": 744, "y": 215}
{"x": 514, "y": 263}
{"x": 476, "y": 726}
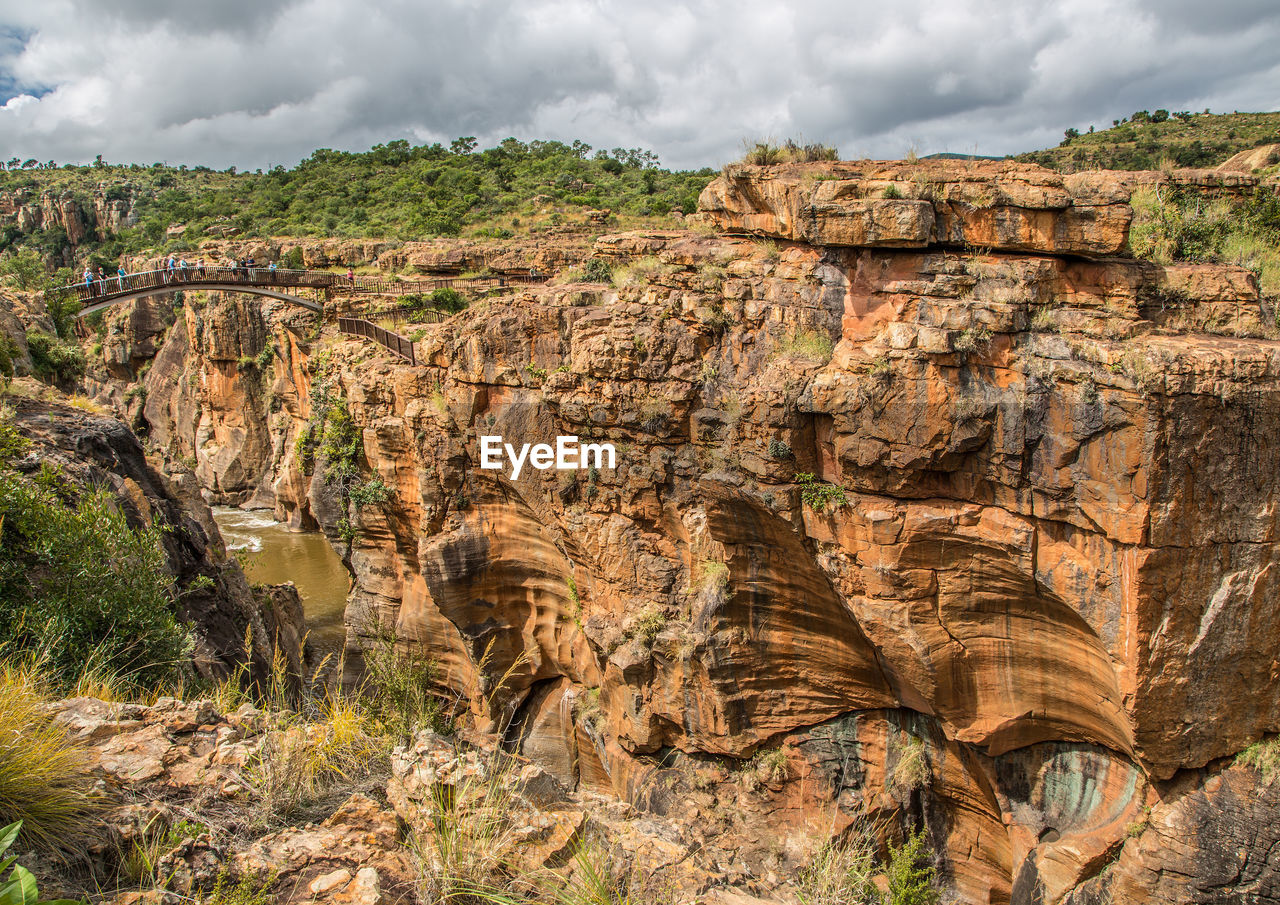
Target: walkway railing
{"x": 196, "y": 275}
{"x": 401, "y": 345}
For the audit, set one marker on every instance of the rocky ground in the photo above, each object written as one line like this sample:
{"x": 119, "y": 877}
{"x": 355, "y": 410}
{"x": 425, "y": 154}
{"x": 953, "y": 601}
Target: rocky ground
{"x": 191, "y": 787}
{"x": 933, "y": 509}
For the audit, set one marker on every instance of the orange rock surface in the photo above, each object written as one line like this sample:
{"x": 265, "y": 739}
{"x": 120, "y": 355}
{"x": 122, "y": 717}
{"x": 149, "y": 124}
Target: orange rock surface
{"x": 1036, "y": 563}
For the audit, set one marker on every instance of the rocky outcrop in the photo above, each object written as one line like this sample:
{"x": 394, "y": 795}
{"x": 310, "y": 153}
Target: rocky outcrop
{"x": 931, "y": 505}
{"x": 82, "y": 219}
{"x": 89, "y": 450}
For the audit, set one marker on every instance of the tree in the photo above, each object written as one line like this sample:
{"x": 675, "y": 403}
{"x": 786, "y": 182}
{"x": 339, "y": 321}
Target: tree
{"x": 23, "y": 270}
{"x": 1071, "y": 134}
{"x": 464, "y": 145}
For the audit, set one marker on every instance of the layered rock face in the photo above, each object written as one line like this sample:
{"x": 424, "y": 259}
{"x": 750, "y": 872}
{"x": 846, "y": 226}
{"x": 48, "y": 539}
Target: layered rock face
{"x": 925, "y": 496}
{"x": 81, "y": 221}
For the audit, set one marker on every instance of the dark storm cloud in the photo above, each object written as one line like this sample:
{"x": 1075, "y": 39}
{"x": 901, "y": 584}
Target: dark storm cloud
{"x": 256, "y": 83}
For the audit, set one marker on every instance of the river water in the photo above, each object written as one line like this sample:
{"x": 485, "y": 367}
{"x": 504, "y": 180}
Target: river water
{"x": 276, "y": 555}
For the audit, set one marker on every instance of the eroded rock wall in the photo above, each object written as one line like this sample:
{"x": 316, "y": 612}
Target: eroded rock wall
{"x": 1024, "y": 598}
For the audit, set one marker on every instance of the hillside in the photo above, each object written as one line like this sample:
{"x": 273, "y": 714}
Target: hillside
{"x": 394, "y": 191}
{"x": 1149, "y": 140}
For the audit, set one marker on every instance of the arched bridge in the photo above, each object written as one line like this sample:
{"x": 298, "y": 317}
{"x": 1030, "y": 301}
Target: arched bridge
{"x": 277, "y": 284}
{"x": 97, "y": 294}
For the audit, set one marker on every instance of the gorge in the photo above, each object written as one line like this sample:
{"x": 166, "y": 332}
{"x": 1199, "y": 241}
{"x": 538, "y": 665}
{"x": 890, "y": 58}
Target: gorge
{"x": 927, "y": 494}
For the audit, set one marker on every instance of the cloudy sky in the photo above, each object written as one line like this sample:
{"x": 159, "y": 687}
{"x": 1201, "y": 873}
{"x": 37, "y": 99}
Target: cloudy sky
{"x": 260, "y": 82}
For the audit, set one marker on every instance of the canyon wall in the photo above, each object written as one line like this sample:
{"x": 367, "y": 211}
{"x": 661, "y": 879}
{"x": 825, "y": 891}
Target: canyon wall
{"x": 926, "y": 497}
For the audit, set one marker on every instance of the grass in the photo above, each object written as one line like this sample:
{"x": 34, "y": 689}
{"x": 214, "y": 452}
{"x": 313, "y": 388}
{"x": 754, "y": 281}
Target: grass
{"x": 841, "y": 873}
{"x": 463, "y": 845}
{"x": 1263, "y": 756}
{"x": 648, "y": 624}
{"x": 301, "y": 762}
{"x": 971, "y": 341}
{"x": 44, "y": 780}
{"x": 140, "y": 864}
{"x": 640, "y": 273}
{"x": 911, "y": 770}
{"x": 1170, "y": 226}
{"x": 809, "y": 345}
{"x": 766, "y": 153}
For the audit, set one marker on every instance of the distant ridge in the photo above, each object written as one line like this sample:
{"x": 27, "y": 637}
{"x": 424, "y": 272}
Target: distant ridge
{"x": 947, "y": 155}
{"x": 1148, "y": 140}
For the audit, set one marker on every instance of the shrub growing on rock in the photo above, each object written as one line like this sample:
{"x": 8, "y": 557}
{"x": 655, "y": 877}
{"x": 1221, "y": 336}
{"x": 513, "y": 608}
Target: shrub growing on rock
{"x": 80, "y": 587}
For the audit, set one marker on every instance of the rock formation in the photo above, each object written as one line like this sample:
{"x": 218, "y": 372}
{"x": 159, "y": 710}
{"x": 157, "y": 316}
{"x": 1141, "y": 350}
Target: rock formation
{"x": 926, "y": 494}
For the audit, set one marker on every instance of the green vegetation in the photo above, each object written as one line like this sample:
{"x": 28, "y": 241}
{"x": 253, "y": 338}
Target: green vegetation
{"x": 809, "y": 345}
{"x": 396, "y": 190}
{"x": 764, "y": 153}
{"x": 819, "y": 495}
{"x": 55, "y": 360}
{"x": 402, "y": 696}
{"x": 80, "y": 587}
{"x": 44, "y": 780}
{"x": 20, "y": 887}
{"x": 971, "y": 341}
{"x": 911, "y": 873}
{"x": 841, "y": 873}
{"x": 1150, "y": 140}
{"x": 1170, "y": 226}
{"x": 1263, "y": 756}
{"x": 648, "y": 624}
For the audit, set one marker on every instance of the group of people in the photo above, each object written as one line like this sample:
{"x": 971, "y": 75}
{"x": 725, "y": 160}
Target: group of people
{"x": 175, "y": 270}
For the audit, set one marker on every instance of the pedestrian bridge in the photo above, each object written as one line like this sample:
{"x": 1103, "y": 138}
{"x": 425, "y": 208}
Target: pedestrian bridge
{"x": 284, "y": 285}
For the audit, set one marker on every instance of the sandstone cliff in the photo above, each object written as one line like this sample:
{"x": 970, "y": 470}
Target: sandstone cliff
{"x": 1024, "y": 598}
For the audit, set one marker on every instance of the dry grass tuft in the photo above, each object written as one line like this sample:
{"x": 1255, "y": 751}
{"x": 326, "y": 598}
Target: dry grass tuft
{"x": 44, "y": 779}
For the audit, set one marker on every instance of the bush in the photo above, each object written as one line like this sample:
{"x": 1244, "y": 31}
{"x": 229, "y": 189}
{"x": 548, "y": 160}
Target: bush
{"x": 23, "y": 269}
{"x": 55, "y": 360}
{"x": 402, "y": 691}
{"x": 450, "y": 300}
{"x": 597, "y": 270}
{"x": 44, "y": 779}
{"x": 819, "y": 495}
{"x": 79, "y": 586}
{"x": 1169, "y": 226}
{"x": 911, "y": 873}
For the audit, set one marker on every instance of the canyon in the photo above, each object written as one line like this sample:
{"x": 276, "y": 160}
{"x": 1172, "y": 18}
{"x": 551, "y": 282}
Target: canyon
{"x": 927, "y": 494}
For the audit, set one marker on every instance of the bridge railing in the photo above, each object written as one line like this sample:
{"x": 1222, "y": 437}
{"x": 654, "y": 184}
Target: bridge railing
{"x": 401, "y": 345}
{"x": 194, "y": 275}
{"x": 97, "y": 290}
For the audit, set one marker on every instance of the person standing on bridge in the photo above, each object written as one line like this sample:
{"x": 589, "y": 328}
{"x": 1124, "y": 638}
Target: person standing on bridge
{"x": 169, "y": 268}
{"x": 102, "y": 280}
{"x": 88, "y": 281}
{"x": 182, "y": 270}
{"x": 351, "y": 277}
{"x": 273, "y": 268}
{"x": 120, "y": 275}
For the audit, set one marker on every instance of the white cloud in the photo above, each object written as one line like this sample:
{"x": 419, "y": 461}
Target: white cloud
{"x": 255, "y": 83}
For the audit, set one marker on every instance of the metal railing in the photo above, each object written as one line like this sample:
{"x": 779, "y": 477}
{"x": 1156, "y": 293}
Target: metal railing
{"x": 96, "y": 291}
{"x": 401, "y": 345}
